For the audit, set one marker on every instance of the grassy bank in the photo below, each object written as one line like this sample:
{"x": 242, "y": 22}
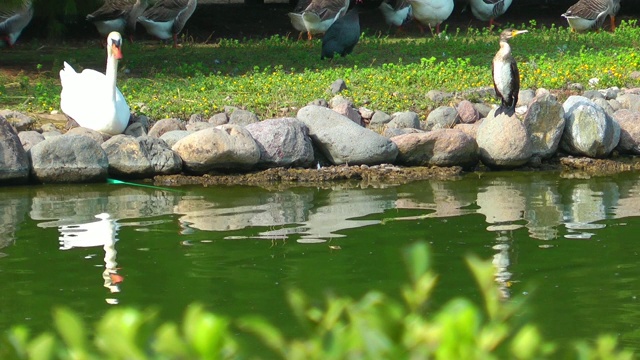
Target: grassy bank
{"x": 275, "y": 76}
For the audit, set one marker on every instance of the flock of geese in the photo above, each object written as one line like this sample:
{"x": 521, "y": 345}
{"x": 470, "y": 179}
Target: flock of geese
{"x": 94, "y": 101}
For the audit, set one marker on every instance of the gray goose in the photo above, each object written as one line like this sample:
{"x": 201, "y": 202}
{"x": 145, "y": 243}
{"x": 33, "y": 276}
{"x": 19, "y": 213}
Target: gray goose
{"x": 166, "y": 18}
{"x": 13, "y": 21}
{"x": 586, "y": 14}
{"x": 118, "y": 15}
{"x": 506, "y": 77}
{"x": 319, "y": 15}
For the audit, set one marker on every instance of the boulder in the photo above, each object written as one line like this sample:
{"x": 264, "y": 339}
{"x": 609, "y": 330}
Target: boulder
{"x": 30, "y": 138}
{"x": 14, "y": 162}
{"x": 403, "y": 120}
{"x": 467, "y": 113}
{"x": 68, "y": 159}
{"x": 172, "y": 137}
{"x": 525, "y": 97}
{"x": 348, "y": 111}
{"x": 18, "y": 120}
{"x": 166, "y": 125}
{"x": 82, "y": 131}
{"x": 344, "y": 142}
{"x": 337, "y": 86}
{"x": 629, "y": 101}
{"x": 223, "y": 147}
{"x": 243, "y": 117}
{"x": 140, "y": 157}
{"x": 545, "y": 123}
{"x": 219, "y": 119}
{"x": 503, "y": 141}
{"x": 629, "y": 122}
{"x": 445, "y": 147}
{"x": 282, "y": 142}
{"x": 391, "y": 132}
{"x": 588, "y": 130}
{"x": 444, "y": 117}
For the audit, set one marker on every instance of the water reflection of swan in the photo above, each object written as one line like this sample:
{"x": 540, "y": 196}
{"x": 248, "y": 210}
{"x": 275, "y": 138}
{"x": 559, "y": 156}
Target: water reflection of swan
{"x": 98, "y": 233}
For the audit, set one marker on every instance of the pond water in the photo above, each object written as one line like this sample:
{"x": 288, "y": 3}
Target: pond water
{"x": 569, "y": 246}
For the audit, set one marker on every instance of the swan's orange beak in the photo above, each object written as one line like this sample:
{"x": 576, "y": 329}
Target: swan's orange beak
{"x": 116, "y": 51}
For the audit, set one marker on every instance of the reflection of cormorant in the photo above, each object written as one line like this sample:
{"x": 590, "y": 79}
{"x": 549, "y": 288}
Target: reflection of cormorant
{"x": 506, "y": 78}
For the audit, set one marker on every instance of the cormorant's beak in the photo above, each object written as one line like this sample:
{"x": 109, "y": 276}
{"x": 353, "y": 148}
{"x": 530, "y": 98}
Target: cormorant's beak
{"x": 518, "y": 32}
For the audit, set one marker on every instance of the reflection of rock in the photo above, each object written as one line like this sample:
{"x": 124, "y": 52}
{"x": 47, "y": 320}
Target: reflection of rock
{"x": 445, "y": 197}
{"x": 13, "y": 208}
{"x": 544, "y": 212}
{"x": 629, "y": 204}
{"x": 589, "y": 204}
{"x": 502, "y": 203}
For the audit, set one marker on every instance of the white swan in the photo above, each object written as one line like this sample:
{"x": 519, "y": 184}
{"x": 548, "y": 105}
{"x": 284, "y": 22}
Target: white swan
{"x": 92, "y": 98}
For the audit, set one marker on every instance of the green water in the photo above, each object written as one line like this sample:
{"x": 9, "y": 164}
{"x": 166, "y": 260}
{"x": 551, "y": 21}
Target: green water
{"x": 569, "y": 246}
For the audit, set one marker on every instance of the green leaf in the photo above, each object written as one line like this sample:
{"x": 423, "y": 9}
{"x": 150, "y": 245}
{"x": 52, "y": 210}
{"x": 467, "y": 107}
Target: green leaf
{"x": 269, "y": 334}
{"x": 417, "y": 260}
{"x": 42, "y": 347}
{"x": 72, "y": 329}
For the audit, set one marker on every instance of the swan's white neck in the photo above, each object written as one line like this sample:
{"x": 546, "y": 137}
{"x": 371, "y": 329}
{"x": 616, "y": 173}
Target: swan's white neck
{"x": 111, "y": 74}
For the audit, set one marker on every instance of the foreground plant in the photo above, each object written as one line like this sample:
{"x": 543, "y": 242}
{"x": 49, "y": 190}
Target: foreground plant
{"x": 373, "y": 327}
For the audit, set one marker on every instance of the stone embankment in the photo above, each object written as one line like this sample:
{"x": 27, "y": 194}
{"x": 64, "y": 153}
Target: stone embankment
{"x": 597, "y": 125}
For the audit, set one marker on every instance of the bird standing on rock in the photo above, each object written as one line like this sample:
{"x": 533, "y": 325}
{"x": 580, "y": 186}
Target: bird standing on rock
{"x": 506, "y": 77}
{"x": 585, "y": 14}
{"x": 342, "y": 36}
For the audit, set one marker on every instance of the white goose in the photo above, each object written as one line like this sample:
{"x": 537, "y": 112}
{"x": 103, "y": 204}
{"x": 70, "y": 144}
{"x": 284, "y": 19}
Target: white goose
{"x": 13, "y": 21}
{"x": 296, "y": 17}
{"x": 488, "y": 10}
{"x": 396, "y": 12}
{"x": 118, "y": 15}
{"x": 432, "y": 12}
{"x": 166, "y": 18}
{"x": 92, "y": 98}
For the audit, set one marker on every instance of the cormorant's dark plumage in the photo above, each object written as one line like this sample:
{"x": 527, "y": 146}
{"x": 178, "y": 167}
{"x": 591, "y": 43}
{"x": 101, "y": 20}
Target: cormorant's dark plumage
{"x": 506, "y": 78}
{"x": 342, "y": 36}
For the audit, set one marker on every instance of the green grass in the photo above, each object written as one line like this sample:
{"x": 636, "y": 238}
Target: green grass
{"x": 276, "y": 76}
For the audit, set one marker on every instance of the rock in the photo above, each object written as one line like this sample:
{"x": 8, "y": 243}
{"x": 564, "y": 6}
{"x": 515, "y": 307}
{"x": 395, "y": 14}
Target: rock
{"x": 593, "y": 94}
{"x": 379, "y": 118}
{"x": 391, "y": 132}
{"x": 197, "y": 126}
{"x": 444, "y": 117}
{"x": 339, "y": 99}
{"x": 349, "y": 112}
{"x": 18, "y": 120}
{"x": 438, "y": 96}
{"x": 51, "y": 134}
{"x": 219, "y": 119}
{"x": 243, "y": 117}
{"x": 14, "y": 162}
{"x": 503, "y": 141}
{"x": 543, "y": 92}
{"x": 196, "y": 118}
{"x": 588, "y": 130}
{"x": 223, "y": 147}
{"x": 545, "y": 122}
{"x": 337, "y": 86}
{"x": 49, "y": 127}
{"x": 165, "y": 125}
{"x": 141, "y": 157}
{"x": 445, "y": 147}
{"x": 483, "y": 109}
{"x": 610, "y": 93}
{"x": 467, "y": 113}
{"x": 344, "y": 142}
{"x": 68, "y": 159}
{"x": 615, "y": 105}
{"x": 172, "y": 137}
{"x": 366, "y": 113}
{"x": 319, "y": 102}
{"x": 95, "y": 135}
{"x": 604, "y": 104}
{"x": 30, "y": 138}
{"x": 135, "y": 129}
{"x": 403, "y": 120}
{"x": 469, "y": 129}
{"x": 525, "y": 97}
{"x": 629, "y": 122}
{"x": 282, "y": 142}
{"x": 629, "y": 101}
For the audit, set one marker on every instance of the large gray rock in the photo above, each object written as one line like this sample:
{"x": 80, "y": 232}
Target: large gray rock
{"x": 140, "y": 157}
{"x": 166, "y": 125}
{"x": 223, "y": 147}
{"x": 243, "y": 117}
{"x": 95, "y": 135}
{"x": 588, "y": 130}
{"x": 14, "y": 163}
{"x": 29, "y": 138}
{"x": 172, "y": 137}
{"x": 18, "y": 120}
{"x": 629, "y": 101}
{"x": 545, "y": 123}
{"x": 444, "y": 117}
{"x": 445, "y": 147}
{"x": 283, "y": 142}
{"x": 349, "y": 111}
{"x": 404, "y": 120}
{"x": 629, "y": 122}
{"x": 503, "y": 141}
{"x": 343, "y": 141}
{"x": 68, "y": 159}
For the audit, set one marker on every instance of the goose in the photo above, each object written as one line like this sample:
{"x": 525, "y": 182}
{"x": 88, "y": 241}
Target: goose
{"x": 342, "y": 36}
{"x": 489, "y": 10}
{"x": 166, "y": 18}
{"x": 431, "y": 12}
{"x": 585, "y": 14}
{"x": 506, "y": 78}
{"x": 396, "y": 12}
{"x": 296, "y": 17}
{"x": 118, "y": 15}
{"x": 92, "y": 98}
{"x": 320, "y": 14}
{"x": 13, "y": 21}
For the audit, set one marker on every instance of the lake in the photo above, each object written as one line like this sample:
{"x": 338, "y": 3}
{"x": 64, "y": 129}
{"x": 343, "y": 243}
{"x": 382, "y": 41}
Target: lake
{"x": 568, "y": 245}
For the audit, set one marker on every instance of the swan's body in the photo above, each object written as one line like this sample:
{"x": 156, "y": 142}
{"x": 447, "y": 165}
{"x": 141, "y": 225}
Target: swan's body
{"x": 396, "y": 13}
{"x": 166, "y": 18}
{"x": 92, "y": 98}
{"x": 12, "y": 22}
{"x": 117, "y": 15}
{"x": 489, "y": 10}
{"x": 586, "y": 14}
{"x": 431, "y": 12}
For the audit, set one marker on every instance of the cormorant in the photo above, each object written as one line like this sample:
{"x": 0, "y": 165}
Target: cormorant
{"x": 342, "y": 36}
{"x": 584, "y": 14}
{"x": 506, "y": 78}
